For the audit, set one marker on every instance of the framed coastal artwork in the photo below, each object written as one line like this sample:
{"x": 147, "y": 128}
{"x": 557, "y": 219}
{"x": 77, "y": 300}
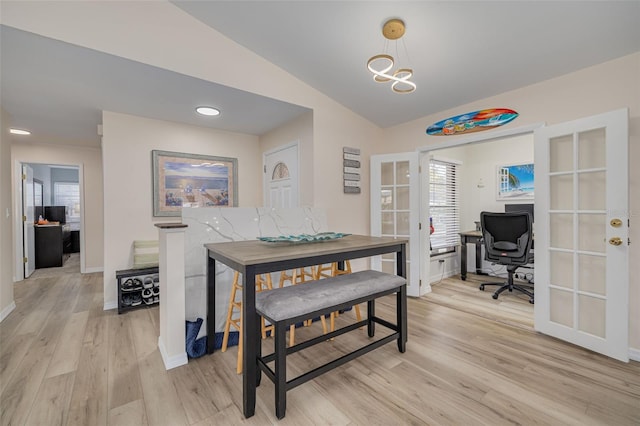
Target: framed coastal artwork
{"x": 192, "y": 180}
{"x": 515, "y": 182}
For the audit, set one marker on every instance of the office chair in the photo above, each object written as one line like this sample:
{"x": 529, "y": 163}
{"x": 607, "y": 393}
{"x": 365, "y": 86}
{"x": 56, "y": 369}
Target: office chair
{"x": 507, "y": 239}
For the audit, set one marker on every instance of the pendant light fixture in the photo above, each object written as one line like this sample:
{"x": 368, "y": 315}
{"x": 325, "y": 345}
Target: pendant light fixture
{"x": 382, "y": 65}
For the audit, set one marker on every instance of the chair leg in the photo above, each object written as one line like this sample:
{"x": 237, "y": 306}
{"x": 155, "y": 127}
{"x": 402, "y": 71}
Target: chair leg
{"x": 261, "y": 284}
{"x": 229, "y": 321}
{"x": 240, "y": 348}
{"x": 292, "y": 335}
{"x": 508, "y": 285}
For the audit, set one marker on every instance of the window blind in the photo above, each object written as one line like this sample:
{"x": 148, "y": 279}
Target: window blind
{"x": 444, "y": 206}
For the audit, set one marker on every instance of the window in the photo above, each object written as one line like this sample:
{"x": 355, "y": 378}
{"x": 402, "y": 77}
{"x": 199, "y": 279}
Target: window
{"x": 68, "y": 194}
{"x": 444, "y": 206}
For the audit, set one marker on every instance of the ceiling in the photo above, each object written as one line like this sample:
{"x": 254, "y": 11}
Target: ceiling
{"x": 460, "y": 52}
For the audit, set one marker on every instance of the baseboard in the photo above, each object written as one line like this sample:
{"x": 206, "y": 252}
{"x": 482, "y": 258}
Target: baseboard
{"x": 93, "y": 270}
{"x": 110, "y": 305}
{"x": 174, "y": 361}
{"x": 634, "y": 354}
{"x": 6, "y": 311}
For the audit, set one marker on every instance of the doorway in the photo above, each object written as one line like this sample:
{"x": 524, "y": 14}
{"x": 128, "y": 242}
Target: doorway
{"x": 582, "y": 210}
{"x": 54, "y": 196}
{"x": 474, "y": 170}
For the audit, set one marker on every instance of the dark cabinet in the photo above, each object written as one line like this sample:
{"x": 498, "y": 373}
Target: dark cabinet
{"x": 51, "y": 243}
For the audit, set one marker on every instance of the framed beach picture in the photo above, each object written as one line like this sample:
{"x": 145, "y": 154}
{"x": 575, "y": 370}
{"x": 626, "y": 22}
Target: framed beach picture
{"x": 515, "y": 182}
{"x": 192, "y": 180}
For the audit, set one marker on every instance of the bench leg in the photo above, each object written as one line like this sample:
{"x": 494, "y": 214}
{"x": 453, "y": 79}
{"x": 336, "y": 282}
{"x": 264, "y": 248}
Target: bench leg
{"x": 371, "y": 311}
{"x": 281, "y": 369}
{"x": 401, "y": 311}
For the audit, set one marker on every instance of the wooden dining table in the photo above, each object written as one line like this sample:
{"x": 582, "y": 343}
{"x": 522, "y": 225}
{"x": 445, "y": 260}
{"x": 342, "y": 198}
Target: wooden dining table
{"x": 254, "y": 257}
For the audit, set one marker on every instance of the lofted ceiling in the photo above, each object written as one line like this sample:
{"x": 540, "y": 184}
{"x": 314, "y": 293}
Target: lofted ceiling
{"x": 460, "y": 52}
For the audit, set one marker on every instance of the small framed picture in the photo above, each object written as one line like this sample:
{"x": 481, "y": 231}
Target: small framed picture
{"x": 515, "y": 182}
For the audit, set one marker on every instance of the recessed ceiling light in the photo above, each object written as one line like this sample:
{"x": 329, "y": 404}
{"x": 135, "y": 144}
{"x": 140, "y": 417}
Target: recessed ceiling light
{"x": 205, "y": 110}
{"x": 19, "y": 132}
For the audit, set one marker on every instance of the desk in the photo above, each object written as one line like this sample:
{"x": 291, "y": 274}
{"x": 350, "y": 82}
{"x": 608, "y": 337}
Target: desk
{"x": 471, "y": 237}
{"x": 254, "y": 257}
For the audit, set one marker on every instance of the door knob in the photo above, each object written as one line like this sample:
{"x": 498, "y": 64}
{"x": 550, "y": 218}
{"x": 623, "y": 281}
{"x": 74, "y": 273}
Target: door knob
{"x": 616, "y": 223}
{"x": 615, "y": 241}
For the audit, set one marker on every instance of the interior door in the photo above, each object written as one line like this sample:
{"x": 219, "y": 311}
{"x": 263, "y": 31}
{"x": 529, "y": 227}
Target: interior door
{"x": 395, "y": 204}
{"x": 28, "y": 239}
{"x": 281, "y": 177}
{"x": 581, "y": 232}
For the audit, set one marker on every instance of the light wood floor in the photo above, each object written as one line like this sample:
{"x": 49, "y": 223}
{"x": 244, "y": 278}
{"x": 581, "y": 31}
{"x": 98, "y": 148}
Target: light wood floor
{"x": 469, "y": 360}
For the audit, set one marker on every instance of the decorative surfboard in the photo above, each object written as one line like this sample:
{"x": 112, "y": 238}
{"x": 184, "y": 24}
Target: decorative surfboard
{"x": 472, "y": 122}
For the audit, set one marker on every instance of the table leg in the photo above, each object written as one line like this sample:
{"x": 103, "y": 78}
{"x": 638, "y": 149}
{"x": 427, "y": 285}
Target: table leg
{"x": 251, "y": 341}
{"x": 463, "y": 258}
{"x": 479, "y": 258}
{"x": 211, "y": 304}
{"x": 401, "y": 300}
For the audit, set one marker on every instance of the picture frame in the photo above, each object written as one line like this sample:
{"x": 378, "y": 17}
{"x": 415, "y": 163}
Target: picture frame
{"x": 192, "y": 180}
{"x": 515, "y": 181}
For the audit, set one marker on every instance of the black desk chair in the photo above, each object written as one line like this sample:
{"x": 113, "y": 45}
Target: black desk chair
{"x": 507, "y": 239}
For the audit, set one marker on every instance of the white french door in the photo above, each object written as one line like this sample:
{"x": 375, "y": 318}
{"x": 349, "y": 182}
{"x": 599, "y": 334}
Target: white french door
{"x": 395, "y": 204}
{"x": 581, "y": 233}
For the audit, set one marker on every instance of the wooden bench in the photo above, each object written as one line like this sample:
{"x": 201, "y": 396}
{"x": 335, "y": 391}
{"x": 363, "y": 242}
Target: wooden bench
{"x": 291, "y": 305}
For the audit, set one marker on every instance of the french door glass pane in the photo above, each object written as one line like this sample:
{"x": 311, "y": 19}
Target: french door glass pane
{"x": 592, "y": 274}
{"x": 592, "y": 191}
{"x": 591, "y": 315}
{"x": 561, "y": 151}
{"x": 561, "y": 306}
{"x": 561, "y": 192}
{"x": 561, "y": 269}
{"x": 386, "y": 175}
{"x": 561, "y": 230}
{"x": 591, "y": 149}
{"x": 386, "y": 198}
{"x": 402, "y": 201}
{"x": 402, "y": 173}
{"x": 402, "y": 225}
{"x": 592, "y": 232}
{"x": 388, "y": 221}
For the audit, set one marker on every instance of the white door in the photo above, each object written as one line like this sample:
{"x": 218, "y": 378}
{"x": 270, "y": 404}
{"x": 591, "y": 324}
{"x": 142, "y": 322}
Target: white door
{"x": 581, "y": 233}
{"x": 28, "y": 238}
{"x": 281, "y": 177}
{"x": 395, "y": 204}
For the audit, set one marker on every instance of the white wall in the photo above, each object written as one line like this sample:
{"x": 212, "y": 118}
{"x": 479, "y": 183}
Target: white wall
{"x": 478, "y": 173}
{"x": 91, "y": 162}
{"x": 594, "y": 90}
{"x": 127, "y": 143}
{"x": 6, "y": 219}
